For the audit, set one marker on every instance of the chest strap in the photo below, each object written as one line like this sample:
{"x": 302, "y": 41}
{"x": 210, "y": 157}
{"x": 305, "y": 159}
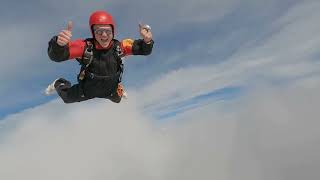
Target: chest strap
{"x": 91, "y": 75}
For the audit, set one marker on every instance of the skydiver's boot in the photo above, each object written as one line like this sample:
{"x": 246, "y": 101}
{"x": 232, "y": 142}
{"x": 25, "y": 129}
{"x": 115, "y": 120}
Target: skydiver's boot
{"x": 51, "y": 89}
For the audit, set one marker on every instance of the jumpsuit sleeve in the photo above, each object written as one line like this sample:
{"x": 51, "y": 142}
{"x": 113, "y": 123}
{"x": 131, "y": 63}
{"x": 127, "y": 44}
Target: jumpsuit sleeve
{"x": 57, "y": 53}
{"x": 136, "y": 47}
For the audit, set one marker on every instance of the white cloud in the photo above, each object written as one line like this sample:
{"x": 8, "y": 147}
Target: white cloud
{"x": 270, "y": 134}
{"x": 100, "y": 140}
{"x": 278, "y": 133}
{"x": 81, "y": 141}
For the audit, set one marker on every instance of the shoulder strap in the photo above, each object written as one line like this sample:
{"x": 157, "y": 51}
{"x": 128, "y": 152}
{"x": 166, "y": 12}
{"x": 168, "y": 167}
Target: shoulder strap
{"x": 117, "y": 49}
{"x": 86, "y": 59}
{"x": 87, "y": 56}
{"x": 119, "y": 55}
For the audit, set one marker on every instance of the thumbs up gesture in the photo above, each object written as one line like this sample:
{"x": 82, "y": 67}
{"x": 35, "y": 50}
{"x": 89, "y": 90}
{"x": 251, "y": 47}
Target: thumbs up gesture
{"x": 64, "y": 37}
{"x": 145, "y": 32}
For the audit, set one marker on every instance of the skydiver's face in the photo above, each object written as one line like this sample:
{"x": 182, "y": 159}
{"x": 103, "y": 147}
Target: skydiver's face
{"x": 103, "y": 34}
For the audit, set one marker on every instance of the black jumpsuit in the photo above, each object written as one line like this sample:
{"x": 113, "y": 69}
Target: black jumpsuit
{"x": 105, "y": 64}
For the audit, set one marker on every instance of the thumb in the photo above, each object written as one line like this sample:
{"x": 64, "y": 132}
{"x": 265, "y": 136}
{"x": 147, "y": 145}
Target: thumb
{"x": 144, "y": 26}
{"x": 70, "y": 25}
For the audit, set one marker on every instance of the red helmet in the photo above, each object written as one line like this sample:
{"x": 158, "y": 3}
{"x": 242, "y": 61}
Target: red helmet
{"x": 101, "y": 17}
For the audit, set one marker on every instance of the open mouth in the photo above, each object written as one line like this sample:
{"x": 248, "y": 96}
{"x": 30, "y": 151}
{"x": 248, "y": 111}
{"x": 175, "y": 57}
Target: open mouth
{"x": 104, "y": 40}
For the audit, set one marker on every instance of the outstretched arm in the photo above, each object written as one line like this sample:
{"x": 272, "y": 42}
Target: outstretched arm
{"x": 58, "y": 49}
{"x": 140, "y": 46}
{"x": 56, "y": 52}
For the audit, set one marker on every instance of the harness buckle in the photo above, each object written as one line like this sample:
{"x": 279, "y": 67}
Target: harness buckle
{"x": 91, "y": 75}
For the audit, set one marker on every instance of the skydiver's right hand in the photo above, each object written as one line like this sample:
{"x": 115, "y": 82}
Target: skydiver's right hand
{"x": 64, "y": 37}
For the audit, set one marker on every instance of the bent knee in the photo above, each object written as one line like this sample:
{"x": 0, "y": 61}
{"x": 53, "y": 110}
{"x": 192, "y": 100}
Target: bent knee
{"x": 67, "y": 101}
{"x": 116, "y": 101}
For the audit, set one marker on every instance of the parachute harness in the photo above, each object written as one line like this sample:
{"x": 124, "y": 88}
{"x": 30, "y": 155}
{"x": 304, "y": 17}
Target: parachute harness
{"x": 88, "y": 57}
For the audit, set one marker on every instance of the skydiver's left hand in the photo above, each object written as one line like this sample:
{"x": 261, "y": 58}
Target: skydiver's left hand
{"x": 145, "y": 32}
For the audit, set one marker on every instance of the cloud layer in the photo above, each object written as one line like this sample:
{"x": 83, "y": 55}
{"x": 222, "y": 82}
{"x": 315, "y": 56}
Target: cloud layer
{"x": 270, "y": 133}
{"x": 87, "y": 141}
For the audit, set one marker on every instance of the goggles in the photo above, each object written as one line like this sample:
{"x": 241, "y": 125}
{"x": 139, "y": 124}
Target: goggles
{"x": 100, "y": 31}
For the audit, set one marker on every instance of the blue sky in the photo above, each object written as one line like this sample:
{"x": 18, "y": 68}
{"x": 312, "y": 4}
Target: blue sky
{"x": 192, "y": 34}
{"x": 229, "y": 88}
